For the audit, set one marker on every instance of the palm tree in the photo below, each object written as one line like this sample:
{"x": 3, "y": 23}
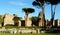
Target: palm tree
{"x": 28, "y": 11}
{"x": 40, "y": 4}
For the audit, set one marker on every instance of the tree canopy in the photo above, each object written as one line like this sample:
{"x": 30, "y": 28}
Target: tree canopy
{"x": 28, "y": 10}
{"x": 38, "y": 3}
{"x": 53, "y": 2}
{"x": 34, "y": 18}
{"x": 16, "y": 19}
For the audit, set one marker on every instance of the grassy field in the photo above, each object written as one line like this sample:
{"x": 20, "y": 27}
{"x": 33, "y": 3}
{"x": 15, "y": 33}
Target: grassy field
{"x": 31, "y": 34}
{"x": 17, "y": 27}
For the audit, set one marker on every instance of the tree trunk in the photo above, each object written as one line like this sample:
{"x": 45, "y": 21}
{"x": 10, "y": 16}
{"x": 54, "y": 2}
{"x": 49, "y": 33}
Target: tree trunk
{"x": 52, "y": 14}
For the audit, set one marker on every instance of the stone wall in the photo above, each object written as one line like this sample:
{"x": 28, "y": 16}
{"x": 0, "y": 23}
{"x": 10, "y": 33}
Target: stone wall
{"x": 8, "y": 19}
{"x": 58, "y": 22}
{"x": 41, "y": 19}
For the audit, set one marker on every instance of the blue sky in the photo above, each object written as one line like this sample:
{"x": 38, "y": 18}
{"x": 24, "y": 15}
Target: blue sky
{"x": 15, "y": 7}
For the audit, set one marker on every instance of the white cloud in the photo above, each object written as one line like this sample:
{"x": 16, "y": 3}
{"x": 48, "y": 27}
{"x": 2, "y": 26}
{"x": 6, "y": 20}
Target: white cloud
{"x": 17, "y": 3}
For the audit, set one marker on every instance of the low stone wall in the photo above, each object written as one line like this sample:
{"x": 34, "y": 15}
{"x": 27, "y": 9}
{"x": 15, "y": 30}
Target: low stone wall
{"x": 14, "y": 30}
{"x": 27, "y": 31}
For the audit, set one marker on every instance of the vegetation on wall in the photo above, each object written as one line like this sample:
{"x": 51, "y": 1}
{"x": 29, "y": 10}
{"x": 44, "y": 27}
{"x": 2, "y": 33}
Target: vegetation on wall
{"x": 1, "y": 20}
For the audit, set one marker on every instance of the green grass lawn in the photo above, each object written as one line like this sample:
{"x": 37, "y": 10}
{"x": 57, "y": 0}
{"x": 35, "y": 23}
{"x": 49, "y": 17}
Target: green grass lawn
{"x": 31, "y": 34}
